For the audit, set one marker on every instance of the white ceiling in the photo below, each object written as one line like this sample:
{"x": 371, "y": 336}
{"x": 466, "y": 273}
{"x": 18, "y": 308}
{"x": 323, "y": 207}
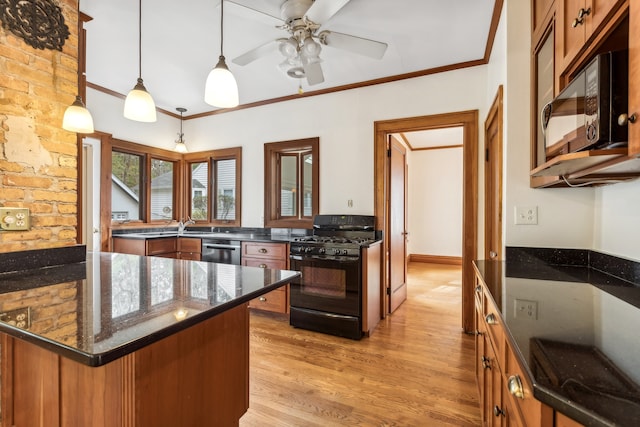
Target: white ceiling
{"x": 433, "y": 138}
{"x": 181, "y": 44}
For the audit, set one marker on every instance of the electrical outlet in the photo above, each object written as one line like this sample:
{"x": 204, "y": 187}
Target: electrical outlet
{"x": 526, "y": 309}
{"x": 526, "y": 215}
{"x": 14, "y": 219}
{"x": 20, "y": 317}
{"x": 350, "y": 203}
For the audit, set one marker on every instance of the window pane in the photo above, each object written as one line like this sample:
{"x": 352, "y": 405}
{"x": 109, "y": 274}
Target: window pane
{"x": 307, "y": 166}
{"x": 199, "y": 190}
{"x": 161, "y": 189}
{"x": 288, "y": 182}
{"x": 226, "y": 189}
{"x": 125, "y": 186}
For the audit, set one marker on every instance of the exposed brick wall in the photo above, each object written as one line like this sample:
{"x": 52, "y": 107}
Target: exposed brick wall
{"x": 38, "y": 159}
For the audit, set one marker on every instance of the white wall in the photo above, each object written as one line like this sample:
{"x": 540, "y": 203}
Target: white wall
{"x": 435, "y": 202}
{"x": 617, "y": 215}
{"x": 565, "y": 216}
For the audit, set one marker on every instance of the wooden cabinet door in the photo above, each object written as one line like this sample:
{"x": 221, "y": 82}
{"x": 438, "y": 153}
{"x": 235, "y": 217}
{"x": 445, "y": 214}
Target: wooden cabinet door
{"x": 569, "y": 39}
{"x": 600, "y": 10}
{"x": 634, "y": 76}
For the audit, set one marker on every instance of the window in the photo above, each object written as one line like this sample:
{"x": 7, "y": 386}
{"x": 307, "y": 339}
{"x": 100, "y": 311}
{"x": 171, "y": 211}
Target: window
{"x": 143, "y": 183}
{"x": 215, "y": 186}
{"x": 292, "y": 185}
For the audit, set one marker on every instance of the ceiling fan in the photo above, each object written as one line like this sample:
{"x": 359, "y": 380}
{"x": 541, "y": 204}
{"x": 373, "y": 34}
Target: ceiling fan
{"x": 302, "y": 19}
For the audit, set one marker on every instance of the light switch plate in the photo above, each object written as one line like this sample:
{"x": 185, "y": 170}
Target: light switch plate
{"x": 14, "y": 219}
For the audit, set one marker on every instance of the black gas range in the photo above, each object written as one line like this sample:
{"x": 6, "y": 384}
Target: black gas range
{"x": 328, "y": 296}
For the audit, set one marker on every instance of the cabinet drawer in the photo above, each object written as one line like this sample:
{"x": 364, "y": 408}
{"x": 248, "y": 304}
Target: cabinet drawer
{"x": 161, "y": 246}
{"x": 193, "y": 256}
{"x": 525, "y": 407}
{"x": 273, "y": 264}
{"x": 272, "y": 301}
{"x": 187, "y": 244}
{"x": 268, "y": 250}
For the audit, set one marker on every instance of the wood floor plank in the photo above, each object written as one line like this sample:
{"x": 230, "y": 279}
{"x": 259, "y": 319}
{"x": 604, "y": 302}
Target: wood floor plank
{"x": 416, "y": 369}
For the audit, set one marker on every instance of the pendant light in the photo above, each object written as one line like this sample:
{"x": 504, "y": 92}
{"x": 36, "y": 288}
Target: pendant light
{"x": 139, "y": 105}
{"x": 76, "y": 117}
{"x": 181, "y": 147}
{"x": 221, "y": 89}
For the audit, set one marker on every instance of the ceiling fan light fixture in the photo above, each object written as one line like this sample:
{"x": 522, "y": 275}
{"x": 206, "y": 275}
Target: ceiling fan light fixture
{"x": 288, "y": 47}
{"x": 221, "y": 88}
{"x": 139, "y": 105}
{"x": 311, "y": 48}
{"x": 77, "y": 118}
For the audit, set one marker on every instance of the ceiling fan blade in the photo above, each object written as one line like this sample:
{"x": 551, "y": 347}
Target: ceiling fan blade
{"x": 366, "y": 47}
{"x": 322, "y": 10}
{"x": 255, "y": 53}
{"x": 254, "y": 14}
{"x": 313, "y": 72}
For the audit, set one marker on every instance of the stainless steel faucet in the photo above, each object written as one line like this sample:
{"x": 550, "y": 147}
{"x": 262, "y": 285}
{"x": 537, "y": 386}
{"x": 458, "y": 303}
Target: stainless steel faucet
{"x": 183, "y": 224}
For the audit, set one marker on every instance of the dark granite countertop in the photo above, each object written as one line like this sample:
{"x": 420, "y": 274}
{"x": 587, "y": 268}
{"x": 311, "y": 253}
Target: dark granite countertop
{"x": 97, "y": 307}
{"x": 580, "y": 347}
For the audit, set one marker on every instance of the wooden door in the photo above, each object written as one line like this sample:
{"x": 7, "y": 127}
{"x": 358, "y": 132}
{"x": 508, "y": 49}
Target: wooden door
{"x": 397, "y": 224}
{"x": 634, "y": 77}
{"x": 493, "y": 180}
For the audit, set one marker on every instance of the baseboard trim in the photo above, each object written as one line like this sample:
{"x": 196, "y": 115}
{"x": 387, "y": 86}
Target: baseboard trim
{"x": 436, "y": 259}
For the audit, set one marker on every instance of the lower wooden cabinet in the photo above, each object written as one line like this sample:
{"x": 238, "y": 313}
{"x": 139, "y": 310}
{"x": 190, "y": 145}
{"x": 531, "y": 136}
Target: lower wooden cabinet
{"x": 190, "y": 248}
{"x": 272, "y": 256}
{"x": 506, "y": 395}
{"x": 167, "y": 247}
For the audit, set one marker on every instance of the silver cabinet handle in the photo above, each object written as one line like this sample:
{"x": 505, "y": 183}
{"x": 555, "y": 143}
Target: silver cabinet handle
{"x": 486, "y": 362}
{"x": 497, "y": 411}
{"x": 263, "y": 266}
{"x": 491, "y": 319}
{"x": 493, "y": 254}
{"x": 262, "y": 299}
{"x": 479, "y": 288}
{"x": 263, "y": 251}
{"x": 514, "y": 384}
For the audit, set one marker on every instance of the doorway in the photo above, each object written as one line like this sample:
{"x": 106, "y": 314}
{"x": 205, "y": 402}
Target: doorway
{"x": 468, "y": 120}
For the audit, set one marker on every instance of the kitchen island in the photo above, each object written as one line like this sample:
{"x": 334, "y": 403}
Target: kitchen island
{"x": 109, "y": 339}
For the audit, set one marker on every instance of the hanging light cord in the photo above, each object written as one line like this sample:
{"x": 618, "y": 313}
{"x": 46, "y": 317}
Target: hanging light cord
{"x": 221, "y": 26}
{"x": 140, "y": 39}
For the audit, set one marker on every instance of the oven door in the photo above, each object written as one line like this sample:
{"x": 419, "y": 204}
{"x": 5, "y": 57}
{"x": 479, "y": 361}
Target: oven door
{"x": 328, "y": 284}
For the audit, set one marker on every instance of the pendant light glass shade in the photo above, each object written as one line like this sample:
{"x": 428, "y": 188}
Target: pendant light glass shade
{"x": 77, "y": 118}
{"x": 221, "y": 89}
{"x": 139, "y": 105}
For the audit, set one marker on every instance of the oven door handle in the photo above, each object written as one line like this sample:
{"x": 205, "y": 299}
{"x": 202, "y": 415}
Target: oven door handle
{"x": 340, "y": 259}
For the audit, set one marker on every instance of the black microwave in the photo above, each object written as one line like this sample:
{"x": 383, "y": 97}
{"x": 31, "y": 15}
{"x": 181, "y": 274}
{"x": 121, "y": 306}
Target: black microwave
{"x": 585, "y": 114}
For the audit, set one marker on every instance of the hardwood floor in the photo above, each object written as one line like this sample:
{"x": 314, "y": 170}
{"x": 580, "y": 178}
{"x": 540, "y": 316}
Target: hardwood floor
{"x": 416, "y": 369}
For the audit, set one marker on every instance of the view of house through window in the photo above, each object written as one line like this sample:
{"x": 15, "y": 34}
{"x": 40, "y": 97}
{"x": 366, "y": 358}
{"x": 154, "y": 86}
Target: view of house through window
{"x": 215, "y": 186}
{"x": 126, "y": 178}
{"x": 199, "y": 190}
{"x": 161, "y": 190}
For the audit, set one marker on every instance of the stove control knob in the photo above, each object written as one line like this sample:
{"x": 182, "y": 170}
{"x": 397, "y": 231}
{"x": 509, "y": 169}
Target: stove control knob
{"x": 307, "y": 250}
{"x": 345, "y": 252}
{"x": 321, "y": 250}
{"x": 336, "y": 251}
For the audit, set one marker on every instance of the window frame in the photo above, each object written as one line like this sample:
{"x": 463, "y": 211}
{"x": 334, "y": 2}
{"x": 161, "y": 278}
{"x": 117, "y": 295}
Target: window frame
{"x": 273, "y": 152}
{"x": 211, "y": 158}
{"x": 147, "y": 153}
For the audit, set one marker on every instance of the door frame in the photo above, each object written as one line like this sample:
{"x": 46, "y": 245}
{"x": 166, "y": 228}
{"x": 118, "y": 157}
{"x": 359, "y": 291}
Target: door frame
{"x": 468, "y": 120}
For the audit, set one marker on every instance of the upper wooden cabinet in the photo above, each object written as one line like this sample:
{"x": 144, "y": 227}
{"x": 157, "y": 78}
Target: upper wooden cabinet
{"x": 578, "y": 21}
{"x": 577, "y": 31}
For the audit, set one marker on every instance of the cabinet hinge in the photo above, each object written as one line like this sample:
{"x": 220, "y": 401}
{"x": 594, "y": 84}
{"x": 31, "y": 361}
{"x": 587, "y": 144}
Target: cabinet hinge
{"x": 388, "y": 152}
{"x": 388, "y": 291}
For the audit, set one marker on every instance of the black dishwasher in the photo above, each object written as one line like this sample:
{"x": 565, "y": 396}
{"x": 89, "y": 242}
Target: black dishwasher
{"x": 223, "y": 251}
